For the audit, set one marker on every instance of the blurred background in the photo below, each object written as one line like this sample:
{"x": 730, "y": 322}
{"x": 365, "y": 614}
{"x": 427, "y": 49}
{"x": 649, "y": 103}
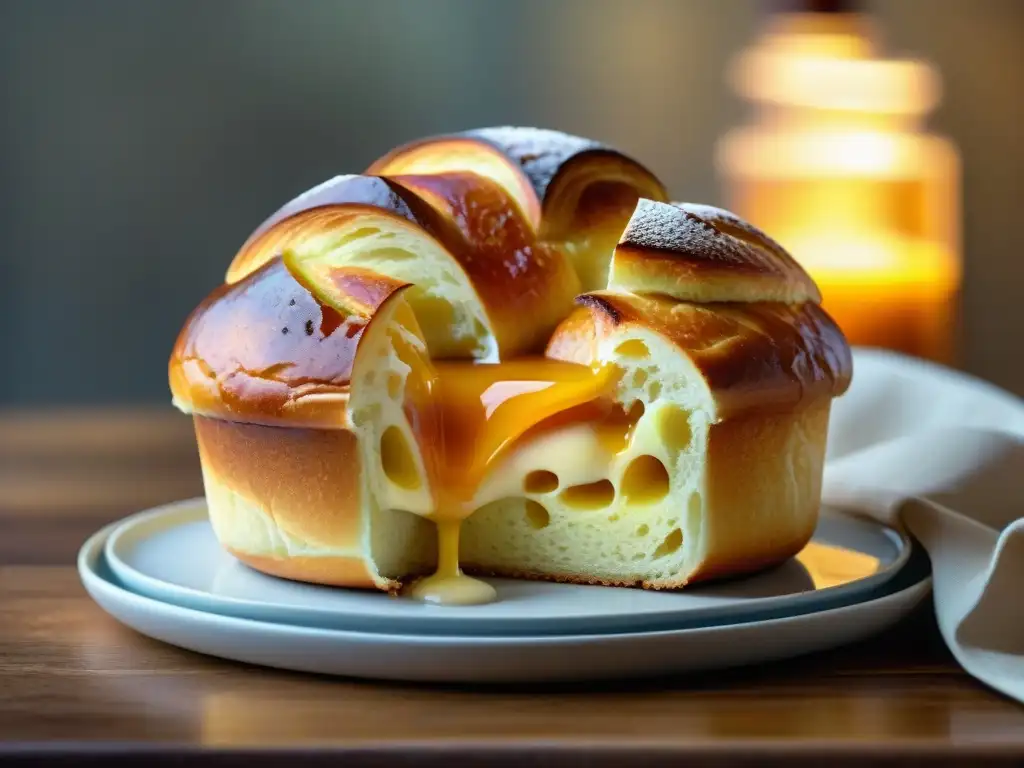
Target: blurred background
{"x": 142, "y": 141}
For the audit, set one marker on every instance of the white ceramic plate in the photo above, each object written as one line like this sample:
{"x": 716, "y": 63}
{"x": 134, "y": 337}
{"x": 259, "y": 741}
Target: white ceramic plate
{"x": 171, "y": 554}
{"x": 475, "y": 659}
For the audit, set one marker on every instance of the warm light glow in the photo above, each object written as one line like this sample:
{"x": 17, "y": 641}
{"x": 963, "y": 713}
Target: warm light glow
{"x": 837, "y": 169}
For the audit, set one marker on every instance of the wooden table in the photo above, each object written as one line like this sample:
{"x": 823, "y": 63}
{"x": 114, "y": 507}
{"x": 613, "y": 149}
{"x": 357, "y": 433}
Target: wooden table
{"x": 74, "y": 682}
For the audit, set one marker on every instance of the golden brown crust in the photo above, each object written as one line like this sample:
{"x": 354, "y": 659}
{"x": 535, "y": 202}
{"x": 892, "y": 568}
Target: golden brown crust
{"x": 541, "y": 154}
{"x": 362, "y": 192}
{"x": 350, "y": 572}
{"x": 576, "y": 338}
{"x": 264, "y": 350}
{"x": 700, "y": 253}
{"x": 557, "y": 179}
{"x": 305, "y": 480}
{"x": 288, "y": 502}
{"x": 762, "y": 489}
{"x": 459, "y": 152}
{"x": 526, "y": 286}
{"x": 752, "y": 356}
{"x": 560, "y": 167}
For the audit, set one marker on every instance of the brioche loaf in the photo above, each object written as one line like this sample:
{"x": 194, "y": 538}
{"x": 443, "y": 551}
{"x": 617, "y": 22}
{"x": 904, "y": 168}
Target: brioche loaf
{"x": 652, "y": 380}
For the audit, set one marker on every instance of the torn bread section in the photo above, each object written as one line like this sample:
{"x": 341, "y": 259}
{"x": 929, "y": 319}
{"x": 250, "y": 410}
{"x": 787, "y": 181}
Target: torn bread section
{"x": 298, "y": 502}
{"x": 434, "y": 440}
{"x": 383, "y": 444}
{"x": 659, "y": 443}
{"x": 722, "y": 471}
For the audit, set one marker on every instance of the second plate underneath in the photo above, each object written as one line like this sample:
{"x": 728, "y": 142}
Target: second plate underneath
{"x": 171, "y": 554}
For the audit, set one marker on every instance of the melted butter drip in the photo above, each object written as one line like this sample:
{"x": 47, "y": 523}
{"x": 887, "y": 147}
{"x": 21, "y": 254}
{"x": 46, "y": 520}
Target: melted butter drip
{"x": 829, "y": 566}
{"x": 449, "y": 585}
{"x": 466, "y": 416}
{"x": 480, "y": 410}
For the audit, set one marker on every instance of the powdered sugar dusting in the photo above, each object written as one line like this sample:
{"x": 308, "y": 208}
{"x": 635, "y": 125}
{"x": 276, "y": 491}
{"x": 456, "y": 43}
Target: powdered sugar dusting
{"x": 540, "y": 152}
{"x": 704, "y": 233}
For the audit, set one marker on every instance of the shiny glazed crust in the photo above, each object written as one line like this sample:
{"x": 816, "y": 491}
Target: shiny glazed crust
{"x": 538, "y": 167}
{"x": 752, "y": 356}
{"x": 264, "y": 351}
{"x": 287, "y": 501}
{"x": 523, "y": 285}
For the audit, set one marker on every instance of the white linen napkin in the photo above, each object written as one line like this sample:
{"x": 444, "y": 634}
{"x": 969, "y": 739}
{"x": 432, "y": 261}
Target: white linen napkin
{"x": 941, "y": 455}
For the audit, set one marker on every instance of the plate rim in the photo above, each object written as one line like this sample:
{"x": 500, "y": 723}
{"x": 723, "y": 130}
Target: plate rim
{"x": 95, "y": 583}
{"x": 310, "y": 616}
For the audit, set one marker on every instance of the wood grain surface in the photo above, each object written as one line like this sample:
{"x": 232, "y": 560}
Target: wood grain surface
{"x": 77, "y": 687}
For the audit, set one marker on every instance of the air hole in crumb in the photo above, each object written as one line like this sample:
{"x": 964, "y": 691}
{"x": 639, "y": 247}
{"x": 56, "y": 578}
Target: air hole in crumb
{"x": 645, "y": 481}
{"x": 632, "y": 348}
{"x": 639, "y": 378}
{"x": 397, "y": 460}
{"x": 540, "y": 481}
{"x": 671, "y": 543}
{"x": 642, "y": 530}
{"x": 394, "y": 385}
{"x": 654, "y": 391}
{"x": 589, "y": 496}
{"x": 674, "y": 427}
{"x": 617, "y": 430}
{"x": 536, "y": 515}
{"x": 369, "y": 378}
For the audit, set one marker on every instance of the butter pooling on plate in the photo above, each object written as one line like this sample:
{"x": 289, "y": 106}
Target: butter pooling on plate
{"x": 505, "y": 352}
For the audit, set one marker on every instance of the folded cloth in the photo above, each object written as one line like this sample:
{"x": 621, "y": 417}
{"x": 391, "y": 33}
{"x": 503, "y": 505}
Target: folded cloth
{"x": 941, "y": 455}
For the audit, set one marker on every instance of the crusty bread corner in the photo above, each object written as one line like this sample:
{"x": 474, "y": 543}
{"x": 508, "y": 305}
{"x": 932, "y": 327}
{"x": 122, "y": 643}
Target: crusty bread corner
{"x": 306, "y": 501}
{"x": 278, "y": 502}
{"x": 752, "y": 503}
{"x": 723, "y": 473}
{"x": 264, "y": 351}
{"x": 756, "y": 356}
